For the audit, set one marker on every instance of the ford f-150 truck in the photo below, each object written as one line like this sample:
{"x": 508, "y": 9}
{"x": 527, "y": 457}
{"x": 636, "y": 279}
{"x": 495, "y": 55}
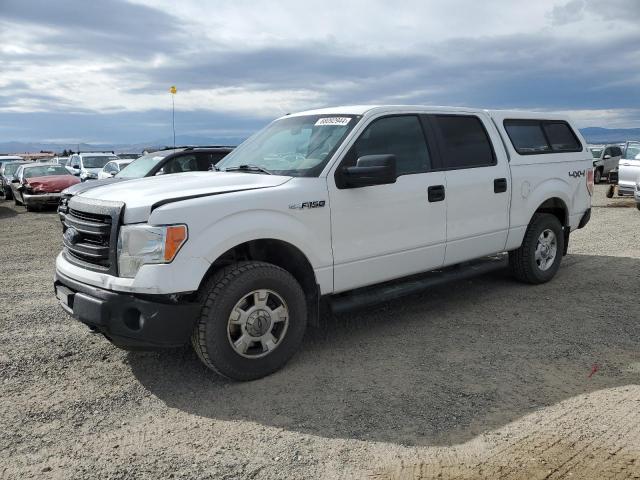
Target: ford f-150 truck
{"x": 317, "y": 206}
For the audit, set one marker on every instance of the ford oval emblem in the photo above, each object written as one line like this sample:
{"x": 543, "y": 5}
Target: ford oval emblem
{"x": 72, "y": 236}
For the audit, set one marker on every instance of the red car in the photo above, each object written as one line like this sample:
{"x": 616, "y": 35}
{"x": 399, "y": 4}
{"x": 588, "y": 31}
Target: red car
{"x": 38, "y": 185}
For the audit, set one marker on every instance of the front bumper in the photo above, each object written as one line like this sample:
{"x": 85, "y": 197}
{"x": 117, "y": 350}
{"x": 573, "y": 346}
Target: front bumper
{"x": 127, "y": 320}
{"x": 41, "y": 200}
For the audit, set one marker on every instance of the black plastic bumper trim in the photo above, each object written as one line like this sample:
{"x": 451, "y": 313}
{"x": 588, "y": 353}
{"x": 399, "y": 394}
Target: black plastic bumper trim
{"x": 585, "y": 219}
{"x": 128, "y": 320}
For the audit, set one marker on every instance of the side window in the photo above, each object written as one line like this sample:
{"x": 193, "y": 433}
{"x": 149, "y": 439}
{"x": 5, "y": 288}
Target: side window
{"x": 561, "y": 137}
{"x": 207, "y": 160}
{"x": 74, "y": 161}
{"x": 607, "y": 151}
{"x": 530, "y": 137}
{"x": 464, "y": 142}
{"x": 617, "y": 152}
{"x": 182, "y": 163}
{"x": 401, "y": 136}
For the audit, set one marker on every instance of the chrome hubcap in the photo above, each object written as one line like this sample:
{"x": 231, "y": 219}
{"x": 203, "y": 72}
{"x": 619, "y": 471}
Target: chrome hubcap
{"x": 546, "y": 249}
{"x": 258, "y": 323}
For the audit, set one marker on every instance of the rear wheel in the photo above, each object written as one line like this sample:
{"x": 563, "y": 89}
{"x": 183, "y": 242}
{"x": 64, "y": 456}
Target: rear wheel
{"x": 252, "y": 321}
{"x": 539, "y": 257}
{"x": 597, "y": 176}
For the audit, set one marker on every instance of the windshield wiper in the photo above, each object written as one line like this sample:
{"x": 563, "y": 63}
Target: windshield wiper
{"x": 248, "y": 168}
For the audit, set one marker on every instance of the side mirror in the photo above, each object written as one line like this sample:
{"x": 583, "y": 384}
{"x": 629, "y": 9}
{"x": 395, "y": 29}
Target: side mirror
{"x": 370, "y": 170}
{"x": 113, "y": 174}
{"x": 606, "y": 157}
{"x": 15, "y": 180}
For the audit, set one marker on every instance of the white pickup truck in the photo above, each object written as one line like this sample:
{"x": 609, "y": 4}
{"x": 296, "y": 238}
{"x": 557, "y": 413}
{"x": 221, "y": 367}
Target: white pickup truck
{"x": 316, "y": 208}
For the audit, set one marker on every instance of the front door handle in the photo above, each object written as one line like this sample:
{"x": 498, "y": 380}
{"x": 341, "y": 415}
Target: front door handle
{"x": 435, "y": 193}
{"x": 500, "y": 185}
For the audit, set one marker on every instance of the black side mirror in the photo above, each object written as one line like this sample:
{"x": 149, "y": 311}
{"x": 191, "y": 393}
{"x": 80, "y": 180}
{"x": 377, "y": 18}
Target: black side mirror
{"x": 370, "y": 170}
{"x": 15, "y": 180}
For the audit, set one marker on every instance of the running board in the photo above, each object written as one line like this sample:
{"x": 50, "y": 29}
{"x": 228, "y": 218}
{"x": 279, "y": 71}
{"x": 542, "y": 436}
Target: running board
{"x": 376, "y": 294}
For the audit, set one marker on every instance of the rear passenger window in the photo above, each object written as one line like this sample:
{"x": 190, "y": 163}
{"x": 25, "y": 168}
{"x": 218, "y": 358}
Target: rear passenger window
{"x": 561, "y": 137}
{"x": 401, "y": 136}
{"x": 530, "y": 137}
{"x": 464, "y": 142}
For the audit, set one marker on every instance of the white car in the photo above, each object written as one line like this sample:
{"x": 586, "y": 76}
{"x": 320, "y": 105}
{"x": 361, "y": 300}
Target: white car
{"x": 87, "y": 165}
{"x": 112, "y": 168}
{"x": 629, "y": 169}
{"x": 605, "y": 160}
{"x": 323, "y": 206}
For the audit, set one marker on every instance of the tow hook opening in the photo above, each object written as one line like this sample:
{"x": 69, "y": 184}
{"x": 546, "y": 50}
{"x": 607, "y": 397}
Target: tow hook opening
{"x": 133, "y": 319}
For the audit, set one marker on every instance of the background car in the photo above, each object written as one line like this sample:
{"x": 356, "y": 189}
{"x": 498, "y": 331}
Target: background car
{"x": 629, "y": 169}
{"x": 87, "y": 165}
{"x": 605, "y": 160}
{"x": 181, "y": 159}
{"x": 112, "y": 168}
{"x": 39, "y": 184}
{"x": 9, "y": 158}
{"x": 7, "y": 172}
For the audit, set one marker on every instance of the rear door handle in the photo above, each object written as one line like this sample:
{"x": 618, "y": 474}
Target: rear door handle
{"x": 500, "y": 185}
{"x": 435, "y": 193}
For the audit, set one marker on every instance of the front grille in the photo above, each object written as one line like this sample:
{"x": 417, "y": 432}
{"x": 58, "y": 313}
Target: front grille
{"x": 90, "y": 233}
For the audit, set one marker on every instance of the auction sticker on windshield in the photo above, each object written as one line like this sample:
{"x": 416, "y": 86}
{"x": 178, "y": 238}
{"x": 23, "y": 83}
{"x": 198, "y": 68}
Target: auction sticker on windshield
{"x": 333, "y": 121}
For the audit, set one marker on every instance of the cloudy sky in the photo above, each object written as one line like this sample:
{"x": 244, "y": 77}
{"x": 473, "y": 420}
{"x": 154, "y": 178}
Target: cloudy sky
{"x": 100, "y": 71}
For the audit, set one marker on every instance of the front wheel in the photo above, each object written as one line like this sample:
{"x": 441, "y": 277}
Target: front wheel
{"x": 252, "y": 321}
{"x": 539, "y": 257}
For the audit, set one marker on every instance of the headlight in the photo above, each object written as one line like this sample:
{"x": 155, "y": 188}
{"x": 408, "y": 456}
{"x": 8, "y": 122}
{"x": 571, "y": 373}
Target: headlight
{"x": 143, "y": 244}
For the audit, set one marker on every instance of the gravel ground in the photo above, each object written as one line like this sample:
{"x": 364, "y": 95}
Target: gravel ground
{"x": 483, "y": 378}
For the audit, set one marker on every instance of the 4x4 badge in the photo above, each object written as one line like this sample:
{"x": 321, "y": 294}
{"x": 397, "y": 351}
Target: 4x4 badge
{"x": 577, "y": 173}
{"x": 303, "y": 205}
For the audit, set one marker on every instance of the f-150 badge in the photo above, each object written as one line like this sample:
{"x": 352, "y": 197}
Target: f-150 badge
{"x": 303, "y": 205}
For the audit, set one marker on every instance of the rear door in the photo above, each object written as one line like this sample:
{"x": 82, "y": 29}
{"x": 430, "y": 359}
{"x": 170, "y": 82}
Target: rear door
{"x": 478, "y": 185}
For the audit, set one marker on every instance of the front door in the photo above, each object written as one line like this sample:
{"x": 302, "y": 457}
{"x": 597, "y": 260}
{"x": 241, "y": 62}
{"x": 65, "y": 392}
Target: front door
{"x": 383, "y": 232}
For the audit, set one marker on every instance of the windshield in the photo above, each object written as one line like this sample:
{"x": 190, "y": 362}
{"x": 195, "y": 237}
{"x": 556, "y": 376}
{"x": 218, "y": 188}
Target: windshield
{"x": 96, "y": 162}
{"x": 11, "y": 168}
{"x": 596, "y": 152}
{"x": 142, "y": 166}
{"x": 45, "y": 171}
{"x": 632, "y": 152}
{"x": 296, "y": 146}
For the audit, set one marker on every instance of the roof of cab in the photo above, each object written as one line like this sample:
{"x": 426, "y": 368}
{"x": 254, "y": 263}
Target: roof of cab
{"x": 376, "y": 109}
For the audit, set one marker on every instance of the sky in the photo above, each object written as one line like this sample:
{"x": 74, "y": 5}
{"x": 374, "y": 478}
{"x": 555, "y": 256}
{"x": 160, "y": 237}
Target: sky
{"x": 100, "y": 71}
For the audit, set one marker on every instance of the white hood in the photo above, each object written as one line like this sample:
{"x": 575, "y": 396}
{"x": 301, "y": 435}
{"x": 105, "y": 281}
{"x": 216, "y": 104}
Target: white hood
{"x": 140, "y": 195}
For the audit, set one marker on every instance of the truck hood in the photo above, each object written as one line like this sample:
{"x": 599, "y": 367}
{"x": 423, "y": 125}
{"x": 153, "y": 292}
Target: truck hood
{"x": 51, "y": 183}
{"x": 142, "y": 195}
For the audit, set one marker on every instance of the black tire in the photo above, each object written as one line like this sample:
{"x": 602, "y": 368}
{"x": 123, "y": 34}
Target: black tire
{"x": 610, "y": 191}
{"x": 15, "y": 201}
{"x": 227, "y": 287}
{"x": 597, "y": 175}
{"x": 638, "y": 206}
{"x": 523, "y": 262}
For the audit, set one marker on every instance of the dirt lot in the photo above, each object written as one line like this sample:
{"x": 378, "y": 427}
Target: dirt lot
{"x": 485, "y": 378}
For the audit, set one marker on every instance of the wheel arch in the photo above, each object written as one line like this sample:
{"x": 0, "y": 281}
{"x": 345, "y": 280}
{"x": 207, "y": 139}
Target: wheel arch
{"x": 280, "y": 253}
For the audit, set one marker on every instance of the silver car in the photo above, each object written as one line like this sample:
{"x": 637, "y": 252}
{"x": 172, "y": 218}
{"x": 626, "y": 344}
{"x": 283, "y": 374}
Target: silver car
{"x": 605, "y": 160}
{"x": 629, "y": 169}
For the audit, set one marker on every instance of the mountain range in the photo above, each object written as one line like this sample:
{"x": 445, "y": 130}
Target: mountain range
{"x": 595, "y": 135}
